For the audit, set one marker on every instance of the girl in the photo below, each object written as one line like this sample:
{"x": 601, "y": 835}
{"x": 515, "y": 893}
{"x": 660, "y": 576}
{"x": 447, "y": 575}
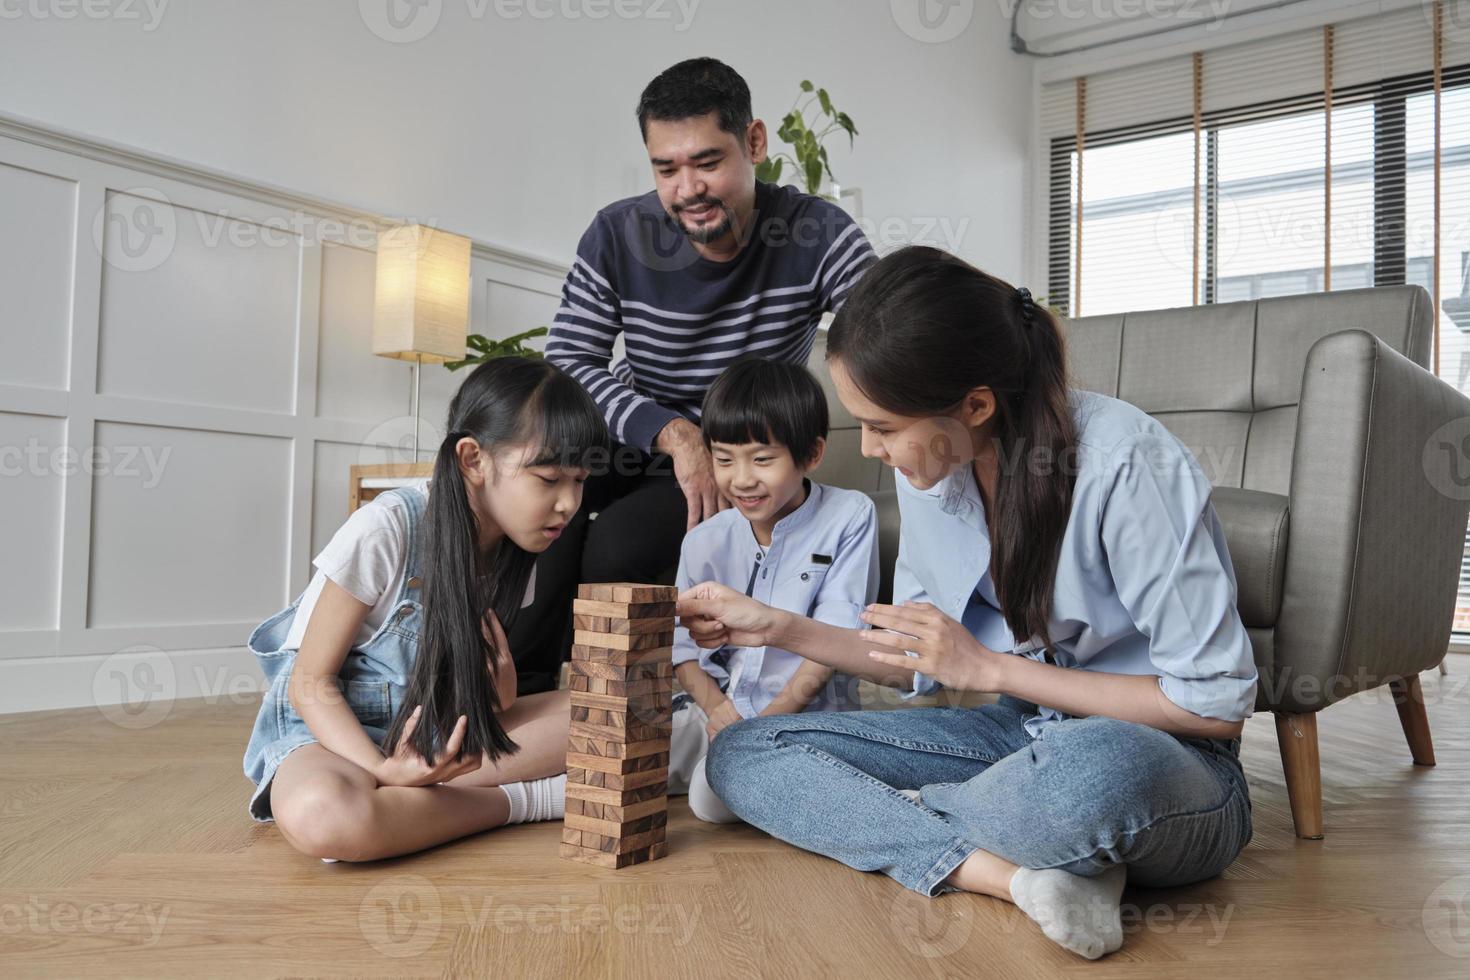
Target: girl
{"x": 1057, "y": 547}
{"x": 391, "y": 721}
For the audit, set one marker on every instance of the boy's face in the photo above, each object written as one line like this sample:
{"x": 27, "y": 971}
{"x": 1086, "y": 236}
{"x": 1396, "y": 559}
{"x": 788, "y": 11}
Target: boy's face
{"x": 761, "y": 479}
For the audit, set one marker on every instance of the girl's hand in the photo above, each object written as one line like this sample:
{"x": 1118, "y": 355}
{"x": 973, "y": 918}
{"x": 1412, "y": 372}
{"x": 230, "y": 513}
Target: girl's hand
{"x": 504, "y": 671}
{"x": 946, "y": 650}
{"x": 716, "y": 615}
{"x": 405, "y": 767}
{"x": 721, "y": 718}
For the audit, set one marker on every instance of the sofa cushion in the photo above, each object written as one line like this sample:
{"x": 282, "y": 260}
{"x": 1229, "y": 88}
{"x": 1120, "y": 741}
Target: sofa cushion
{"x": 1255, "y": 525}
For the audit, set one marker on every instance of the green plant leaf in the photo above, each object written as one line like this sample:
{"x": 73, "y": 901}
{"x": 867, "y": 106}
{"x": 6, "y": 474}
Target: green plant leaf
{"x": 806, "y": 86}
{"x": 826, "y": 102}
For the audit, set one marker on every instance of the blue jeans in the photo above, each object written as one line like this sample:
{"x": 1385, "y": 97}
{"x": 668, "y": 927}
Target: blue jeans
{"x": 1086, "y": 794}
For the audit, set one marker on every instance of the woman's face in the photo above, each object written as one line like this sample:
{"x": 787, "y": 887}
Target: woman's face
{"x": 924, "y": 448}
{"x": 530, "y": 504}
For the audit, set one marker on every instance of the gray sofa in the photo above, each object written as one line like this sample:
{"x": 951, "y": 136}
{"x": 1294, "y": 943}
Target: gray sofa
{"x": 1333, "y": 452}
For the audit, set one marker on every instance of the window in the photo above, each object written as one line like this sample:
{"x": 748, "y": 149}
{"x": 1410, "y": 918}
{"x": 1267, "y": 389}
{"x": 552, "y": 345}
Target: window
{"x": 1228, "y": 192}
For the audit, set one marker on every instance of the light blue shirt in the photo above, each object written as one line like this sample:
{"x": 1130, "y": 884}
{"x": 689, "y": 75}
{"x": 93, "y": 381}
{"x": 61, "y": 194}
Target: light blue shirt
{"x": 1144, "y": 583}
{"x": 822, "y": 563}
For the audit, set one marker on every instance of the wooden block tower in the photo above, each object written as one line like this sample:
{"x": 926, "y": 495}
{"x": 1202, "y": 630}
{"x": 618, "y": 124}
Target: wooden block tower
{"x": 622, "y": 678}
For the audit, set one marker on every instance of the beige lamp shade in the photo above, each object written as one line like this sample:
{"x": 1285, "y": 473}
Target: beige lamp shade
{"x": 421, "y": 311}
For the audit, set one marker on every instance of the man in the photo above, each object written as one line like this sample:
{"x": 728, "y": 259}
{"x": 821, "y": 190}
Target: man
{"x": 708, "y": 267}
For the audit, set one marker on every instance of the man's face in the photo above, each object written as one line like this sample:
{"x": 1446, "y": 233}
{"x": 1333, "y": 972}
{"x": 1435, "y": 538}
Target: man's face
{"x": 704, "y": 176}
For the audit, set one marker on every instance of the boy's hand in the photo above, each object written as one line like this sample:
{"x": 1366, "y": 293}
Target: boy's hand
{"x": 721, "y": 718}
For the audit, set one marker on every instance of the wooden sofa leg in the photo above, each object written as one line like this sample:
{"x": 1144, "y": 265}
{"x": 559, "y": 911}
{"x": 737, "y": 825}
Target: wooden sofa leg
{"x": 1409, "y": 697}
{"x": 1297, "y": 736}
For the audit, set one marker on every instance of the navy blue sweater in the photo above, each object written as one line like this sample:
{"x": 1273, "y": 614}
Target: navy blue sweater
{"x": 685, "y": 318}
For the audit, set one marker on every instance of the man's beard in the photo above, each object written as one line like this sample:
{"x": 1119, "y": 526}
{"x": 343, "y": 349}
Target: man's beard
{"x": 706, "y": 233}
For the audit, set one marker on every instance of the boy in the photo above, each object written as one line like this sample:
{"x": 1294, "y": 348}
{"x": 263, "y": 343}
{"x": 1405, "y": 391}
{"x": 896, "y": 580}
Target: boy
{"x": 789, "y": 542}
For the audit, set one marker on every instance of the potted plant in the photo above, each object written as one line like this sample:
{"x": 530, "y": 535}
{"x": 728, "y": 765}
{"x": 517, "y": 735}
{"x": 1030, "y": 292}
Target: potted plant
{"x": 808, "y": 154}
{"x": 482, "y": 349}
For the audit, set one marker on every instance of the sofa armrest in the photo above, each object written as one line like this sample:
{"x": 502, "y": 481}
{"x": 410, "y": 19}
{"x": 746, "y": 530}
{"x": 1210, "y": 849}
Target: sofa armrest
{"x": 1377, "y": 524}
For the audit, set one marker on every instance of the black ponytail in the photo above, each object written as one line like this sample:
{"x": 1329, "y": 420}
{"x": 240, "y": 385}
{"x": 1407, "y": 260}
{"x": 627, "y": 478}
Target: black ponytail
{"x": 509, "y": 400}
{"x": 919, "y": 331}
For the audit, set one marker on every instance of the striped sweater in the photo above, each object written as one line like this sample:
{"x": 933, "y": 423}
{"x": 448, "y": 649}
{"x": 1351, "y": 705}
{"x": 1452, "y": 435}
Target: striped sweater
{"x": 685, "y": 318}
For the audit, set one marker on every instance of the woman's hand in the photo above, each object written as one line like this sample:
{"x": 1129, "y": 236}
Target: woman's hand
{"x": 721, "y": 718}
{"x": 716, "y": 615}
{"x": 946, "y": 650}
{"x": 405, "y": 767}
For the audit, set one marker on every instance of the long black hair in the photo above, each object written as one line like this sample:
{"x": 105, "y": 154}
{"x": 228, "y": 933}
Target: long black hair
{"x": 920, "y": 330}
{"x": 507, "y": 401}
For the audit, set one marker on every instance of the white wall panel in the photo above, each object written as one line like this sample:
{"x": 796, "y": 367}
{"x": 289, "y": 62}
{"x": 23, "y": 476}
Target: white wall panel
{"x": 35, "y": 276}
{"x": 33, "y": 466}
{"x": 188, "y": 526}
{"x": 197, "y": 308}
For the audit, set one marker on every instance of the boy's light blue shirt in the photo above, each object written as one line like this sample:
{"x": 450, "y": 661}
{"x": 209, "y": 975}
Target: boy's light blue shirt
{"x": 1144, "y": 582}
{"x": 822, "y": 563}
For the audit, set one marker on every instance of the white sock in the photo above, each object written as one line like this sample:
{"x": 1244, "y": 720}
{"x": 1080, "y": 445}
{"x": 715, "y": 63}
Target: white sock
{"x": 537, "y": 799}
{"x": 1078, "y": 913}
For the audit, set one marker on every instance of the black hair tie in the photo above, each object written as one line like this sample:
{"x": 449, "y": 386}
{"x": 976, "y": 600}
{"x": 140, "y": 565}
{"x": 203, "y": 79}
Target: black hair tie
{"x": 1027, "y": 306}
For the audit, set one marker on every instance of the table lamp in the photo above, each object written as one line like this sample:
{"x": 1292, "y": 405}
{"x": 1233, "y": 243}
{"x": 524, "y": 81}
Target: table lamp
{"x": 421, "y": 310}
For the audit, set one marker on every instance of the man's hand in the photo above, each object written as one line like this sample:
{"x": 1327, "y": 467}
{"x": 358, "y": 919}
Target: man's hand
{"x": 693, "y": 468}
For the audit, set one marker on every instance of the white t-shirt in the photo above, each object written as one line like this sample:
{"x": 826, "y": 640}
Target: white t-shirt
{"x": 367, "y": 557}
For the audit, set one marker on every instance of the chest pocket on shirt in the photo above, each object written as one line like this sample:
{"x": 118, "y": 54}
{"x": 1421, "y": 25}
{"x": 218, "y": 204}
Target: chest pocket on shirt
{"x": 370, "y": 701}
{"x": 799, "y": 590}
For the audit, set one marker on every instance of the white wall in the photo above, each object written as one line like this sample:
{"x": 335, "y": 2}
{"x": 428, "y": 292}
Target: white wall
{"x": 225, "y": 383}
{"x": 514, "y": 127}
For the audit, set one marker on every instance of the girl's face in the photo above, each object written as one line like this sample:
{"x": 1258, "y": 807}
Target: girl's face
{"x": 530, "y": 504}
{"x": 924, "y": 448}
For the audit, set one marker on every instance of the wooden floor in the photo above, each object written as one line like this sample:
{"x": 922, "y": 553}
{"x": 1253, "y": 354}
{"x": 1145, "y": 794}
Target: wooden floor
{"x": 129, "y": 852}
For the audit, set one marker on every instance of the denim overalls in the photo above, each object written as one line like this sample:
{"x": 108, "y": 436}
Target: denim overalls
{"x": 373, "y": 678}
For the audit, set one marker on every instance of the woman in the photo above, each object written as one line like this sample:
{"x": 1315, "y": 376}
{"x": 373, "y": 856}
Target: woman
{"x": 1057, "y": 548}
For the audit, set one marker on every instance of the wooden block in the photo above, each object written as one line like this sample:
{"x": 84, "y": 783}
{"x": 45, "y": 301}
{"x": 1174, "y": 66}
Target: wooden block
{"x": 614, "y": 749}
{"x": 627, "y": 592}
{"x": 630, "y": 627}
{"x": 629, "y": 732}
{"x": 622, "y": 689}
{"x": 624, "y": 845}
{"x": 623, "y": 610}
{"x": 614, "y": 828}
{"x": 623, "y": 658}
{"x": 603, "y": 859}
{"x": 615, "y": 797}
{"x": 645, "y": 763}
{"x": 621, "y": 781}
{"x": 625, "y": 672}
{"x": 648, "y": 708}
{"x": 624, "y": 641}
